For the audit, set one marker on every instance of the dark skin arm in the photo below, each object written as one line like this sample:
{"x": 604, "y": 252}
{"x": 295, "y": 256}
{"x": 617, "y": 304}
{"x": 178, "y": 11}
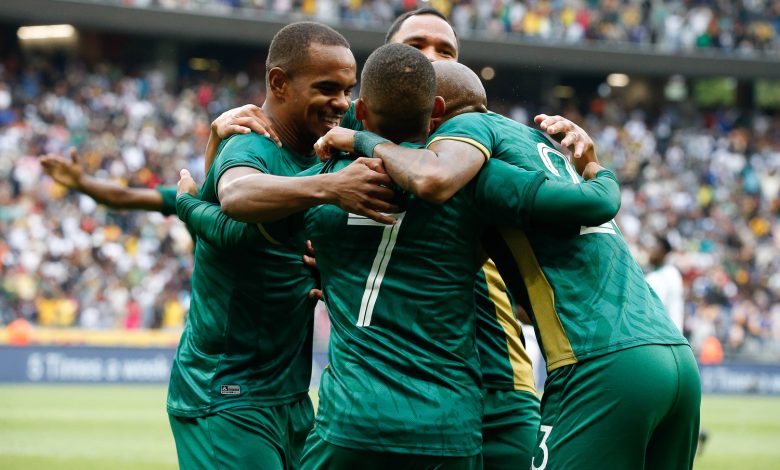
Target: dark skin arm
{"x": 434, "y": 174}
{"x": 70, "y": 174}
{"x": 241, "y": 120}
{"x": 249, "y": 195}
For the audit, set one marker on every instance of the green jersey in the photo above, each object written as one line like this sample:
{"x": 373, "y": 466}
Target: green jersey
{"x": 505, "y": 364}
{"x": 350, "y": 121}
{"x": 404, "y": 375}
{"x": 247, "y": 340}
{"x": 583, "y": 290}
{"x": 168, "y": 194}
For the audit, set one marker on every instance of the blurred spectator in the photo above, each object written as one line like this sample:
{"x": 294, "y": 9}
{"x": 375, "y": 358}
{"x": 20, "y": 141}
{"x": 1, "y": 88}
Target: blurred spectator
{"x": 666, "y": 280}
{"x": 744, "y": 26}
{"x": 66, "y": 261}
{"x": 712, "y": 177}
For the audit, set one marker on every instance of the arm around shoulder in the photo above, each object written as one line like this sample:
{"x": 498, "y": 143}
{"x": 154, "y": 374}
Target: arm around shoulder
{"x": 591, "y": 203}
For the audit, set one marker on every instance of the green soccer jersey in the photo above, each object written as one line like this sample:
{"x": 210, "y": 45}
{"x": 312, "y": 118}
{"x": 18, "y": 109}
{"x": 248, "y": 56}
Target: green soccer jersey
{"x": 583, "y": 290}
{"x": 505, "y": 364}
{"x": 168, "y": 194}
{"x": 350, "y": 121}
{"x": 404, "y": 373}
{"x": 248, "y": 335}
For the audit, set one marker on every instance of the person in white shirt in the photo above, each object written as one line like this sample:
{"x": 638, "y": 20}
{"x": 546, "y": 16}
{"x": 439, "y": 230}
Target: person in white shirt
{"x": 666, "y": 281}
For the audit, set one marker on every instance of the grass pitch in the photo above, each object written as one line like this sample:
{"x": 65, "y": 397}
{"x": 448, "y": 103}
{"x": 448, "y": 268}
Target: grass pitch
{"x": 125, "y": 427}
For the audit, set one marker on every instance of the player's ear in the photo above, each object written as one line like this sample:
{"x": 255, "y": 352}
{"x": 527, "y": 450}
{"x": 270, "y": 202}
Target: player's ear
{"x": 439, "y": 107}
{"x": 278, "y": 82}
{"x": 360, "y": 109}
{"x": 437, "y": 115}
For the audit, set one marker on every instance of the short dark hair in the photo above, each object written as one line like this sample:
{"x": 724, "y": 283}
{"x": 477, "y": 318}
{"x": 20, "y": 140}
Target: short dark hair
{"x": 420, "y": 11}
{"x": 399, "y": 85}
{"x": 664, "y": 243}
{"x": 290, "y": 46}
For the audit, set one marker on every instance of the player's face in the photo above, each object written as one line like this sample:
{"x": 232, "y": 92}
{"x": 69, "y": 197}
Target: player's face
{"x": 320, "y": 92}
{"x": 430, "y": 34}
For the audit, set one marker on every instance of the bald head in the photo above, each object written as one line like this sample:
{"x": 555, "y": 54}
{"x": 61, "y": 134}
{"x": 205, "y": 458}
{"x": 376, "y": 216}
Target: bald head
{"x": 461, "y": 89}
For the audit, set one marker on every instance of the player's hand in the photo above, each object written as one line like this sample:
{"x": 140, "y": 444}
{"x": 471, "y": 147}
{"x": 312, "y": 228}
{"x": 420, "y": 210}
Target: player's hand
{"x": 591, "y": 169}
{"x": 362, "y": 188}
{"x": 310, "y": 261}
{"x": 66, "y": 172}
{"x": 243, "y": 120}
{"x": 186, "y": 184}
{"x": 570, "y": 136}
{"x": 336, "y": 140}
{"x": 308, "y": 257}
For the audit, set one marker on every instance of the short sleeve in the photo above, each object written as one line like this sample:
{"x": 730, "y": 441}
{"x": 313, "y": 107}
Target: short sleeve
{"x": 471, "y": 128}
{"x": 250, "y": 150}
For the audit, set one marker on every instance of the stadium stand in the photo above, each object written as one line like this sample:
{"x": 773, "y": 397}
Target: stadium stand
{"x": 708, "y": 176}
{"x": 742, "y": 27}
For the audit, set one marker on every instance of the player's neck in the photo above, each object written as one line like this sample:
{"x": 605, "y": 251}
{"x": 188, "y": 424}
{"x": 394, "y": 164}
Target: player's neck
{"x": 399, "y": 136}
{"x": 287, "y": 131}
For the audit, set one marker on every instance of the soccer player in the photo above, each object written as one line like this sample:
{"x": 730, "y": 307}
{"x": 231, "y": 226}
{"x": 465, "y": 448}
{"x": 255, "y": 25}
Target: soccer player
{"x": 623, "y": 387}
{"x": 402, "y": 388}
{"x": 237, "y": 396}
{"x": 511, "y": 410}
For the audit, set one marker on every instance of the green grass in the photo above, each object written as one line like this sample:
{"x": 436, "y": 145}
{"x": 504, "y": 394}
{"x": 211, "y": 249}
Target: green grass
{"x": 125, "y": 427}
{"x": 744, "y": 433}
{"x": 85, "y": 427}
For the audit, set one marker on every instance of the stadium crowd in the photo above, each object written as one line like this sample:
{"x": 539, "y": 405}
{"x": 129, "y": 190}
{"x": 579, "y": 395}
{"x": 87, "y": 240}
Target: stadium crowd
{"x": 746, "y": 26}
{"x": 708, "y": 179}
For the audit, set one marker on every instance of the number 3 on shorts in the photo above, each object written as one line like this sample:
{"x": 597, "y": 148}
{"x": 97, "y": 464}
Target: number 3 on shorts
{"x": 542, "y": 445}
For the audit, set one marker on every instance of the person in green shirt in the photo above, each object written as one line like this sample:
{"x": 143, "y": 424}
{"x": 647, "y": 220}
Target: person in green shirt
{"x": 403, "y": 387}
{"x": 237, "y": 396}
{"x": 594, "y": 315}
{"x": 511, "y": 412}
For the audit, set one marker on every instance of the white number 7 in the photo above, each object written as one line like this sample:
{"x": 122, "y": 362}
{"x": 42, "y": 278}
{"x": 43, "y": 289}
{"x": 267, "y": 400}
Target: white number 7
{"x": 381, "y": 260}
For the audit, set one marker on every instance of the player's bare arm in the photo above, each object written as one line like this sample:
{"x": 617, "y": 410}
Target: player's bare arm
{"x": 434, "y": 174}
{"x": 249, "y": 195}
{"x": 241, "y": 120}
{"x": 70, "y": 174}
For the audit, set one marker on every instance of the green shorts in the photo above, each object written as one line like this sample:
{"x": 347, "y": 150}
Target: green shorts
{"x": 634, "y": 408}
{"x": 321, "y": 455}
{"x": 244, "y": 437}
{"x": 510, "y": 423}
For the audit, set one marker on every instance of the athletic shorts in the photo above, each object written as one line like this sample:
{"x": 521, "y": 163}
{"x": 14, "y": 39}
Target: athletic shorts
{"x": 634, "y": 408}
{"x": 510, "y": 423}
{"x": 270, "y": 438}
{"x": 321, "y": 455}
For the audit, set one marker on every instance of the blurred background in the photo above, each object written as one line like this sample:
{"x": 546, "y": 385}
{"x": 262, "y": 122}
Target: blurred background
{"x": 682, "y": 98}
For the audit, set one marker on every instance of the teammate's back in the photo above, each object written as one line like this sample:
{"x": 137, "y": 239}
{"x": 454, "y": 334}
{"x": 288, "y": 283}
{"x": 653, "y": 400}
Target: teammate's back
{"x": 583, "y": 289}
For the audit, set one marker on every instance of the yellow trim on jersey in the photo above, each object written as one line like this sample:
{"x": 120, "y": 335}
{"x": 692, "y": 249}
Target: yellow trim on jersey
{"x": 522, "y": 371}
{"x": 267, "y": 235}
{"x": 485, "y": 151}
{"x": 556, "y": 344}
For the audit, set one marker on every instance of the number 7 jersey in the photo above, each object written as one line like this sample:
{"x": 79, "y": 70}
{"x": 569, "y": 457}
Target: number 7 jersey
{"x": 404, "y": 374}
{"x": 585, "y": 293}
